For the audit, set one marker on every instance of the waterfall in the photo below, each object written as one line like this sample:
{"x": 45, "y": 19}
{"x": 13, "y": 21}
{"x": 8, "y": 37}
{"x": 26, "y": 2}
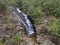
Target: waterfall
{"x": 23, "y": 18}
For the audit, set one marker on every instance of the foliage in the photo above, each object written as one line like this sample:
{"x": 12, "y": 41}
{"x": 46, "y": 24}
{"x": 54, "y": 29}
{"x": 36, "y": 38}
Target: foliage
{"x": 51, "y": 7}
{"x": 9, "y": 2}
{"x": 2, "y": 7}
{"x": 7, "y": 39}
{"x": 16, "y": 38}
{"x": 36, "y": 8}
{"x": 1, "y": 41}
{"x": 31, "y": 8}
{"x": 9, "y": 21}
{"x": 54, "y": 27}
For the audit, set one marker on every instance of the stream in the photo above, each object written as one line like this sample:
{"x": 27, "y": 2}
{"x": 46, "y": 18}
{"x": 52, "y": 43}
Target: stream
{"x": 23, "y": 18}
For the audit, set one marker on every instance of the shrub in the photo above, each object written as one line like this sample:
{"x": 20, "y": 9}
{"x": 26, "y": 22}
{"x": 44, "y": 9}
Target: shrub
{"x": 51, "y": 7}
{"x": 31, "y": 8}
{"x": 7, "y": 39}
{"x": 36, "y": 8}
{"x": 54, "y": 27}
{"x": 16, "y": 38}
{"x": 9, "y": 2}
{"x": 2, "y": 7}
{"x": 1, "y": 41}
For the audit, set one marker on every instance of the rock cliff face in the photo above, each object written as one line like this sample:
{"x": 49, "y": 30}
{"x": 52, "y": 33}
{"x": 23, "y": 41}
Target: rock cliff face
{"x": 9, "y": 29}
{"x": 43, "y": 37}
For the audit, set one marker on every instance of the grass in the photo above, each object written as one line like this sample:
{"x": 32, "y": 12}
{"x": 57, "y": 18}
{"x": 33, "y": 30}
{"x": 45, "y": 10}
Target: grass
{"x": 1, "y": 41}
{"x": 54, "y": 27}
{"x": 16, "y": 38}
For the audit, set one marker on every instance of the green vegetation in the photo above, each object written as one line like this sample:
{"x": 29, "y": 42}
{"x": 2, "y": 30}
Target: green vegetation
{"x": 36, "y": 8}
{"x": 31, "y": 8}
{"x": 1, "y": 41}
{"x": 2, "y": 7}
{"x": 9, "y": 2}
{"x": 54, "y": 27}
{"x": 9, "y": 21}
{"x": 16, "y": 38}
{"x": 51, "y": 7}
{"x": 7, "y": 39}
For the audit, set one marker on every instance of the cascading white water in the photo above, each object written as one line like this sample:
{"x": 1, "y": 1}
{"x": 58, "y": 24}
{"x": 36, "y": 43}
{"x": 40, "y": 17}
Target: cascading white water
{"x": 26, "y": 22}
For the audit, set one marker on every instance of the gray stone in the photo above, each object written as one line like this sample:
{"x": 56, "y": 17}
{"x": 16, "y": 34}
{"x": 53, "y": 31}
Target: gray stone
{"x": 47, "y": 42}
